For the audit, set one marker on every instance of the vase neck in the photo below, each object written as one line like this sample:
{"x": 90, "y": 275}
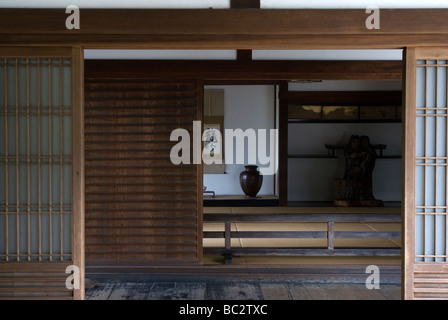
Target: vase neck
{"x": 251, "y": 168}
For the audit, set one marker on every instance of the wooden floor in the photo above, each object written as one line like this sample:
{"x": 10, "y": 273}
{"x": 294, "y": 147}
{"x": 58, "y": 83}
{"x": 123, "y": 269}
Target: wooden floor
{"x": 331, "y": 278}
{"x": 235, "y": 290}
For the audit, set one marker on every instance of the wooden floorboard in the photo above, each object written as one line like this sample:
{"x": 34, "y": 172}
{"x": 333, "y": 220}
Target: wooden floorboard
{"x": 234, "y": 290}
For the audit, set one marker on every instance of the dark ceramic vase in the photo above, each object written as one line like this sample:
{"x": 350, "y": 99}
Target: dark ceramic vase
{"x": 251, "y": 181}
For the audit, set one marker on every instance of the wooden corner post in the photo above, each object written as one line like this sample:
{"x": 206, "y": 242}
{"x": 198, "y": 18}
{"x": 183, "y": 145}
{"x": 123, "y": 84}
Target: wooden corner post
{"x": 78, "y": 167}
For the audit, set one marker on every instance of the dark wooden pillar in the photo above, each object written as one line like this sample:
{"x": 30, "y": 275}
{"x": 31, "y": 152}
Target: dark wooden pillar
{"x": 244, "y": 55}
{"x": 283, "y": 145}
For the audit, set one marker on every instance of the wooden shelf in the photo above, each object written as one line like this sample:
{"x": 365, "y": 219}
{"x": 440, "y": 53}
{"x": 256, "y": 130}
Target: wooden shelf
{"x": 240, "y": 201}
{"x": 332, "y": 153}
{"x": 344, "y": 98}
{"x": 389, "y": 157}
{"x": 311, "y": 156}
{"x": 343, "y": 106}
{"x": 379, "y": 147}
{"x": 306, "y": 121}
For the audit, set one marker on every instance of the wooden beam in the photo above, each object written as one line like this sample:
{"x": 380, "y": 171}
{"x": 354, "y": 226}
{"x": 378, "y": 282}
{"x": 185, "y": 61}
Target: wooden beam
{"x": 279, "y": 216}
{"x": 36, "y": 52}
{"x": 276, "y": 251}
{"x": 114, "y": 22}
{"x": 226, "y": 28}
{"x": 227, "y": 42}
{"x": 245, "y": 70}
{"x": 240, "y": 82}
{"x": 344, "y": 98}
{"x": 245, "y": 4}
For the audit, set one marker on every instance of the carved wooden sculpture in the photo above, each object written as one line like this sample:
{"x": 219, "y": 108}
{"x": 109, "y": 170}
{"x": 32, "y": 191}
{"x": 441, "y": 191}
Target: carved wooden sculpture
{"x": 360, "y": 157}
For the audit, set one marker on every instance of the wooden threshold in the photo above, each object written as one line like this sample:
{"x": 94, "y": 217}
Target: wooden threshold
{"x": 304, "y": 273}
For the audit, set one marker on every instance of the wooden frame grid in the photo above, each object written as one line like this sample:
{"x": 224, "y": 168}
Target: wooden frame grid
{"x": 431, "y": 162}
{"x": 18, "y": 114}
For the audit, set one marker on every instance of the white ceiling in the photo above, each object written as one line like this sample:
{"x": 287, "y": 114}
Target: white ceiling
{"x": 221, "y": 4}
{"x": 327, "y": 55}
{"x": 257, "y": 54}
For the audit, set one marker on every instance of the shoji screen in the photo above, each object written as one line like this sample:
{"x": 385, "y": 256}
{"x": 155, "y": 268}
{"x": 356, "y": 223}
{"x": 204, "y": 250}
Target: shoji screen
{"x": 36, "y": 165}
{"x": 427, "y": 222}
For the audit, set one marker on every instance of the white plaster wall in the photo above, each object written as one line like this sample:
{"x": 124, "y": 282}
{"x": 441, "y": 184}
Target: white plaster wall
{"x": 244, "y": 107}
{"x": 142, "y": 54}
{"x": 338, "y": 54}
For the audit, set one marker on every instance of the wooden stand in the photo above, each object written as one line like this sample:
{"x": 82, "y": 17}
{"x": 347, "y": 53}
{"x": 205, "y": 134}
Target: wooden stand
{"x": 358, "y": 203}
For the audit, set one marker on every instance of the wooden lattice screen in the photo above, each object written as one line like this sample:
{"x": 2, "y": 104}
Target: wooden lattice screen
{"x": 426, "y": 194}
{"x": 35, "y": 155}
{"x": 36, "y": 173}
{"x": 140, "y": 207}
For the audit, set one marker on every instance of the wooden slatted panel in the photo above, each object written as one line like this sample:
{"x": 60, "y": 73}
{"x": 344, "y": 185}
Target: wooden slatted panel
{"x": 430, "y": 281}
{"x": 34, "y": 280}
{"x": 140, "y": 206}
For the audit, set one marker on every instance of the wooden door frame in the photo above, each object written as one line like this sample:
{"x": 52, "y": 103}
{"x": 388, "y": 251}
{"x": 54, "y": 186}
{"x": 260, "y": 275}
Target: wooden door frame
{"x": 410, "y": 267}
{"x": 78, "y": 167}
{"x": 408, "y": 172}
{"x": 231, "y": 29}
{"x": 77, "y": 174}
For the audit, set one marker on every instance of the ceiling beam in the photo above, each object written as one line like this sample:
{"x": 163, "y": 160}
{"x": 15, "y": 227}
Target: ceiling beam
{"x": 223, "y": 22}
{"x": 244, "y": 70}
{"x": 343, "y": 98}
{"x": 225, "y": 28}
{"x": 226, "y": 42}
